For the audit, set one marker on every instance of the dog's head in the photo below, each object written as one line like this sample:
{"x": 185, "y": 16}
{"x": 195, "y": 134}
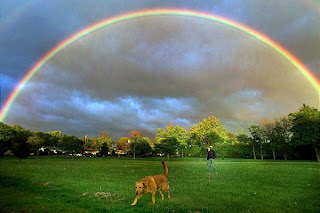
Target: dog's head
{"x": 140, "y": 188}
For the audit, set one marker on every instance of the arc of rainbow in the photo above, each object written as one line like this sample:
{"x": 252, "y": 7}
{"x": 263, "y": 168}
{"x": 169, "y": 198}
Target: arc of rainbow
{"x": 156, "y": 12}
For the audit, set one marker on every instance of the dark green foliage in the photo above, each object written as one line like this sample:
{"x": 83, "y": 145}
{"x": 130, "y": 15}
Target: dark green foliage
{"x": 55, "y": 138}
{"x": 306, "y": 127}
{"x": 104, "y": 150}
{"x": 6, "y": 137}
{"x": 141, "y": 146}
{"x": 293, "y": 137}
{"x": 168, "y": 146}
{"x": 21, "y": 149}
{"x": 71, "y": 144}
{"x": 35, "y": 142}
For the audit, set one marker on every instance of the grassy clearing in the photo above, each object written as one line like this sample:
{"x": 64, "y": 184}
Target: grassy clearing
{"x": 57, "y": 184}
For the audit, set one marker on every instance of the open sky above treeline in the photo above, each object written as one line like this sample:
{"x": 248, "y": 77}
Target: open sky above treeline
{"x": 144, "y": 73}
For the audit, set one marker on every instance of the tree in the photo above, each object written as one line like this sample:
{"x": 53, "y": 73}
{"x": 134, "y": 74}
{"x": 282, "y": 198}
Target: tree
{"x": 22, "y": 134}
{"x": 133, "y": 142}
{"x": 268, "y": 134}
{"x": 169, "y": 146}
{"x": 283, "y": 134}
{"x": 104, "y": 138}
{"x": 104, "y": 150}
{"x": 35, "y": 142}
{"x": 209, "y": 131}
{"x": 256, "y": 133}
{"x": 21, "y": 149}
{"x": 71, "y": 144}
{"x": 305, "y": 127}
{"x": 178, "y": 132}
{"x": 6, "y": 138}
{"x": 123, "y": 144}
{"x": 141, "y": 146}
{"x": 245, "y": 139}
{"x": 56, "y": 137}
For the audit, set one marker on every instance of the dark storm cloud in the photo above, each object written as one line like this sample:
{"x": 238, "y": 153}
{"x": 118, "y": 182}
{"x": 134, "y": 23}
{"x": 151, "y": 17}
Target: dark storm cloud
{"x": 145, "y": 74}
{"x": 133, "y": 76}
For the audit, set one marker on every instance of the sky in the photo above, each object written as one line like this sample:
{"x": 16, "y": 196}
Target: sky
{"x": 145, "y": 73}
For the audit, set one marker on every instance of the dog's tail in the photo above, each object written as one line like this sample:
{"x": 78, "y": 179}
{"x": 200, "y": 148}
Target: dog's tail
{"x": 165, "y": 168}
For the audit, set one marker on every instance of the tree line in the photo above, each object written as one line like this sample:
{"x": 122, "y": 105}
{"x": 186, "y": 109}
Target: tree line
{"x": 295, "y": 136}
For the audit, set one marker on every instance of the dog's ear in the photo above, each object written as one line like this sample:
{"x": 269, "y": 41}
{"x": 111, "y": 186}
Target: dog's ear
{"x": 143, "y": 184}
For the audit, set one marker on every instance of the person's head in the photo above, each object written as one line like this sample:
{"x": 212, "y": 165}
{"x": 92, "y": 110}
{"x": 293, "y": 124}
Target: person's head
{"x": 210, "y": 148}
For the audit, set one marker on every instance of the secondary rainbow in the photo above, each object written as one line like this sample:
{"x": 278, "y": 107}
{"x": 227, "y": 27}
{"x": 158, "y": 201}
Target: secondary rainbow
{"x": 156, "y": 12}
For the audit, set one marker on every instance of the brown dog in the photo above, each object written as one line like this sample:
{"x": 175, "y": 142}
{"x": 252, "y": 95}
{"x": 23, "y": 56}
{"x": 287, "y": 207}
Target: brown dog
{"x": 151, "y": 184}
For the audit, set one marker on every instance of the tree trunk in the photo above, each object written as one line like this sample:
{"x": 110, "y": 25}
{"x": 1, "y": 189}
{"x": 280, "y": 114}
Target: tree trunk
{"x": 285, "y": 155}
{"x": 261, "y": 151}
{"x": 37, "y": 153}
{"x": 254, "y": 152}
{"x": 168, "y": 156}
{"x": 317, "y": 153}
{"x": 274, "y": 154}
{"x": 134, "y": 152}
{"x": 182, "y": 152}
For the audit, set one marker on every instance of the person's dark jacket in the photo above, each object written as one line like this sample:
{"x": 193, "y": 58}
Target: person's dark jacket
{"x": 211, "y": 154}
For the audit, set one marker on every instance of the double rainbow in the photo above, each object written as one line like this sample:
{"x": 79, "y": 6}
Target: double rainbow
{"x": 156, "y": 12}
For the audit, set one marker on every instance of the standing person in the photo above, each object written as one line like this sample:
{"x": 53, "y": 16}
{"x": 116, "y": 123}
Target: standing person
{"x": 210, "y": 159}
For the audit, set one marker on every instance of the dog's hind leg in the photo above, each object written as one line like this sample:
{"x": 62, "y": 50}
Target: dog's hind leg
{"x": 160, "y": 191}
{"x": 169, "y": 194}
{"x": 165, "y": 188}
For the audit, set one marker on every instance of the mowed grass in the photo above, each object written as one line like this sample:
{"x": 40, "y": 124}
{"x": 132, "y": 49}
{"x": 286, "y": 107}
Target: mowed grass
{"x": 59, "y": 184}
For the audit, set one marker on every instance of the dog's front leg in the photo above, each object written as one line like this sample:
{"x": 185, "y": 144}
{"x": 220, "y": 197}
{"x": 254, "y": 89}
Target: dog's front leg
{"x": 153, "y": 197}
{"x": 136, "y": 199}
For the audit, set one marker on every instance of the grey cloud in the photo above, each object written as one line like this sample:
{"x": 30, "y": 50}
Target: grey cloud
{"x": 175, "y": 69}
{"x": 130, "y": 76}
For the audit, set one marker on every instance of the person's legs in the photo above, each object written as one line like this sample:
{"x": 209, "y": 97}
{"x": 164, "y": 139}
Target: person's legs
{"x": 214, "y": 165}
{"x": 209, "y": 165}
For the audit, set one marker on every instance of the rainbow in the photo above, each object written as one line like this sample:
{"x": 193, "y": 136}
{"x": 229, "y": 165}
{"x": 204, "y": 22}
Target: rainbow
{"x": 156, "y": 12}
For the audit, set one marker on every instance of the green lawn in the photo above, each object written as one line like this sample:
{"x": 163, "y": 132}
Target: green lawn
{"x": 57, "y": 184}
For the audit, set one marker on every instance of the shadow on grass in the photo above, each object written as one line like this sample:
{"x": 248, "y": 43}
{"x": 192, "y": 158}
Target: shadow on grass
{"x": 21, "y": 195}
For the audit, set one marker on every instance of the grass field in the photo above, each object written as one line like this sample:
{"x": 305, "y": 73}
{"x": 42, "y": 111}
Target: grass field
{"x": 57, "y": 184}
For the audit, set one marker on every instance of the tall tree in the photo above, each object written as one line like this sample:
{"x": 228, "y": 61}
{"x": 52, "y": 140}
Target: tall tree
{"x": 35, "y": 142}
{"x": 22, "y": 134}
{"x": 71, "y": 144}
{"x": 104, "y": 150}
{"x": 245, "y": 139}
{"x": 6, "y": 138}
{"x": 21, "y": 149}
{"x": 268, "y": 134}
{"x": 104, "y": 138}
{"x": 133, "y": 142}
{"x": 178, "y": 132}
{"x": 257, "y": 136}
{"x": 209, "y": 131}
{"x": 140, "y": 145}
{"x": 283, "y": 134}
{"x": 123, "y": 144}
{"x": 305, "y": 127}
{"x": 56, "y": 137}
{"x": 168, "y": 146}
